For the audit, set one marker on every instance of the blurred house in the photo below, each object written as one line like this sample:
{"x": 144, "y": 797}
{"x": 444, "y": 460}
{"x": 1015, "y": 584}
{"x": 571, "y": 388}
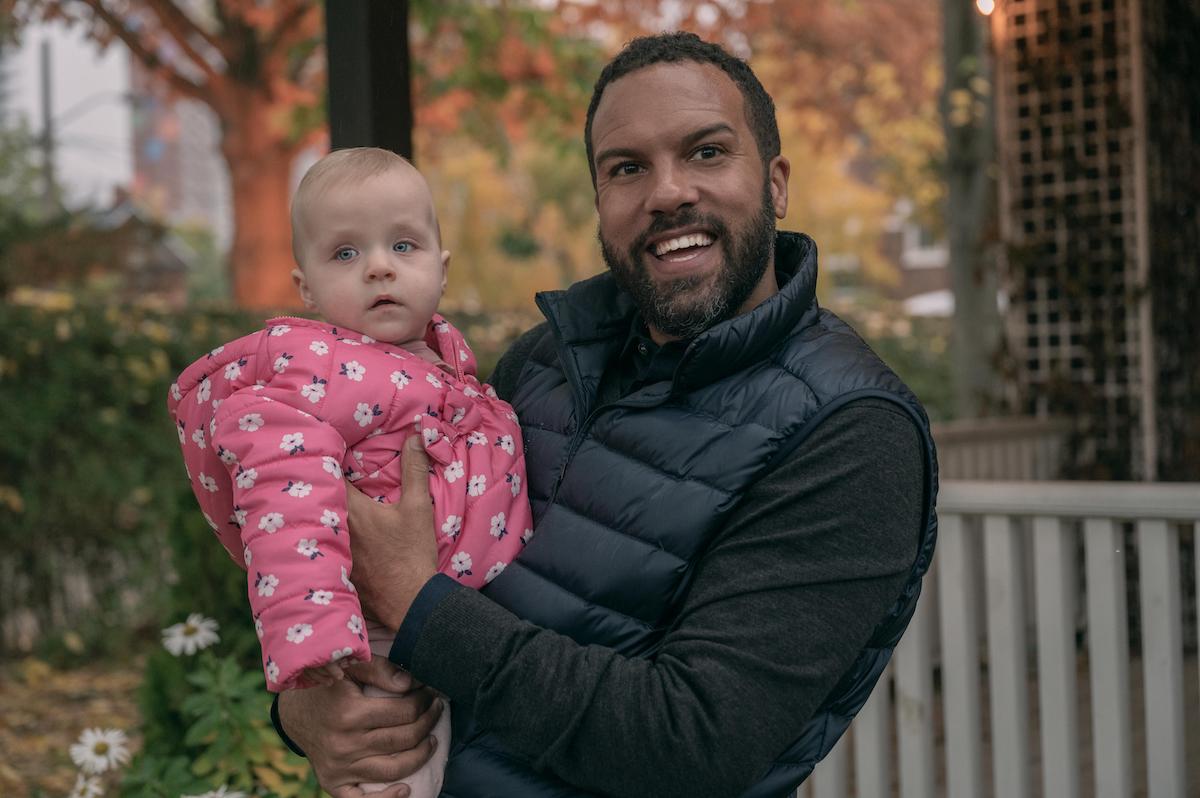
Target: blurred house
{"x": 1098, "y": 119}
{"x": 922, "y": 262}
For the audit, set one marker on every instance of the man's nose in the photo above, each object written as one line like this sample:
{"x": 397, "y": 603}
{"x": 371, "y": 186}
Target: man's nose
{"x": 672, "y": 188}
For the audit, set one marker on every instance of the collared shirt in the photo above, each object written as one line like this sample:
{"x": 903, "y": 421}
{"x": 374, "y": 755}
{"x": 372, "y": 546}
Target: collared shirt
{"x": 641, "y": 362}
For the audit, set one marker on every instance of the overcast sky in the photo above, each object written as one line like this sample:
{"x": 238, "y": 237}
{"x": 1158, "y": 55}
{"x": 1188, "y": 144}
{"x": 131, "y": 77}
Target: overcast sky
{"x": 92, "y": 120}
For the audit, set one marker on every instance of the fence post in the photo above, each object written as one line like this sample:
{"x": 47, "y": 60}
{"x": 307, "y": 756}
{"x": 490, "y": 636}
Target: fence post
{"x": 957, "y": 553}
{"x": 914, "y": 699}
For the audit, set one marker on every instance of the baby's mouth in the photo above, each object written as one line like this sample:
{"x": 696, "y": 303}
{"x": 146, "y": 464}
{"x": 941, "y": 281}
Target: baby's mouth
{"x": 382, "y": 301}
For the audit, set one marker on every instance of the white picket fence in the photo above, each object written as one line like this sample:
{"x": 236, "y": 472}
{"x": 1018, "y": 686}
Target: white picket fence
{"x": 999, "y": 622}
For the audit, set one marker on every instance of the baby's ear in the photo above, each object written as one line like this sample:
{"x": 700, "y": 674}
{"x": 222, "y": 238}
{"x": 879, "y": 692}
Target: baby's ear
{"x": 445, "y": 267}
{"x": 302, "y": 286}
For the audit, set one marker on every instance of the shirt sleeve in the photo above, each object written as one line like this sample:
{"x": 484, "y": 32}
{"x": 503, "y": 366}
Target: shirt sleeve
{"x": 780, "y": 606}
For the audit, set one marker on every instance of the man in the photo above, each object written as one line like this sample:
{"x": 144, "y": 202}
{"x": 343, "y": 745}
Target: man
{"x": 733, "y": 496}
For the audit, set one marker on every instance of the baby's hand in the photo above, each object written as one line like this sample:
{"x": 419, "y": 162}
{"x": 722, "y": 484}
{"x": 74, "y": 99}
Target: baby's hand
{"x": 324, "y": 675}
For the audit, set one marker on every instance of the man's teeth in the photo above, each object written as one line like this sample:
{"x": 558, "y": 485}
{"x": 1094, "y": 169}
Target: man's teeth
{"x": 693, "y": 240}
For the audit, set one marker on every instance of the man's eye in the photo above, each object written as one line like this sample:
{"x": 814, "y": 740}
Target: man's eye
{"x": 707, "y": 152}
{"x": 627, "y": 168}
{"x": 402, "y": 246}
{"x": 345, "y": 253}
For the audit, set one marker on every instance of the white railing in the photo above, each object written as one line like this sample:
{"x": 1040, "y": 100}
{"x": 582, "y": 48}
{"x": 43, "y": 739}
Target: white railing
{"x": 1021, "y": 447}
{"x": 1022, "y": 707}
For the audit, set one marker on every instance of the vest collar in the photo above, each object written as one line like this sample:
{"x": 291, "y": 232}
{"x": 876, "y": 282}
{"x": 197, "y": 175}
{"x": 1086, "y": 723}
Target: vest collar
{"x": 595, "y": 310}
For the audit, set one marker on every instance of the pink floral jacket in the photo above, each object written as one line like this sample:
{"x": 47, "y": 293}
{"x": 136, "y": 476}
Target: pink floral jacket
{"x": 271, "y": 422}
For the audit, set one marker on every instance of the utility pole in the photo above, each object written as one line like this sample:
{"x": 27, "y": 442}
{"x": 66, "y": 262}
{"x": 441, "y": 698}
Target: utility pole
{"x": 49, "y": 184}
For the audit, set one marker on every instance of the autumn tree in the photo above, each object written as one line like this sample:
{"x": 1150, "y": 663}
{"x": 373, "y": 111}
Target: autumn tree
{"x": 259, "y": 68}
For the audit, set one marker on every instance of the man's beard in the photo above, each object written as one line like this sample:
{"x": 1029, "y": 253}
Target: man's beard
{"x": 684, "y": 307}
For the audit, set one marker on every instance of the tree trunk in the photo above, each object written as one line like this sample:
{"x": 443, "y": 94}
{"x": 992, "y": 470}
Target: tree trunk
{"x": 260, "y": 164}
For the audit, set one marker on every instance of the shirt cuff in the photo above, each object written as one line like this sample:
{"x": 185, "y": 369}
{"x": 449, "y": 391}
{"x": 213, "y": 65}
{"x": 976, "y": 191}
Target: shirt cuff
{"x": 432, "y": 592}
{"x": 279, "y": 728}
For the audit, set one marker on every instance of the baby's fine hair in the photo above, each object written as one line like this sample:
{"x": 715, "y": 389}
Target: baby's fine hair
{"x": 351, "y": 165}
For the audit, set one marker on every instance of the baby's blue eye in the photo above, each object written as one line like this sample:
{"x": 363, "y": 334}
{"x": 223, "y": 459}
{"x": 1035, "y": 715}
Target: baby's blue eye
{"x": 402, "y": 246}
{"x": 345, "y": 253}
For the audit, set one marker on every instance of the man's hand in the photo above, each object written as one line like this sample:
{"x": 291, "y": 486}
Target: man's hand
{"x": 352, "y": 739}
{"x": 393, "y": 546}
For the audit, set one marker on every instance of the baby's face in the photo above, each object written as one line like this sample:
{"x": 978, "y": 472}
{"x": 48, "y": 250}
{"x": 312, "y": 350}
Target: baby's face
{"x": 370, "y": 256}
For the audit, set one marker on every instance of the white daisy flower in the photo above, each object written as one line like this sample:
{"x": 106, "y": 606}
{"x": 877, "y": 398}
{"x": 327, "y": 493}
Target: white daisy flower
{"x": 319, "y": 348}
{"x": 331, "y": 519}
{"x": 247, "y": 556}
{"x": 454, "y": 471}
{"x": 307, "y": 547}
{"x": 251, "y": 422}
{"x": 459, "y": 414}
{"x": 245, "y": 477}
{"x": 526, "y": 535}
{"x": 217, "y": 351}
{"x": 198, "y": 436}
{"x": 266, "y": 584}
{"x": 297, "y": 632}
{"x": 442, "y": 327}
{"x": 401, "y": 379}
{"x": 462, "y": 355}
{"x": 355, "y": 625}
{"x": 514, "y": 483}
{"x": 238, "y": 517}
{"x": 272, "y": 670}
{"x": 99, "y": 750}
{"x": 470, "y": 392}
{"x": 366, "y": 339}
{"x": 461, "y": 563}
{"x": 346, "y": 581}
{"x": 476, "y": 438}
{"x": 430, "y": 436}
{"x": 194, "y": 634}
{"x": 353, "y": 371}
{"x": 322, "y": 597}
{"x": 176, "y": 394}
{"x": 340, "y": 653}
{"x": 505, "y": 442}
{"x": 86, "y": 787}
{"x": 223, "y": 791}
{"x": 182, "y": 434}
{"x": 271, "y": 523}
{"x": 298, "y": 490}
{"x": 332, "y": 467}
{"x": 212, "y": 424}
{"x": 313, "y": 391}
{"x": 452, "y": 526}
{"x": 204, "y": 392}
{"x": 490, "y": 391}
{"x": 432, "y": 380}
{"x": 227, "y": 457}
{"x": 258, "y": 627}
{"x": 498, "y": 530}
{"x": 282, "y": 362}
{"x": 493, "y": 572}
{"x": 292, "y": 442}
{"x": 280, "y": 329}
{"x": 234, "y": 370}
{"x": 207, "y": 482}
{"x": 477, "y": 485}
{"x": 364, "y": 413}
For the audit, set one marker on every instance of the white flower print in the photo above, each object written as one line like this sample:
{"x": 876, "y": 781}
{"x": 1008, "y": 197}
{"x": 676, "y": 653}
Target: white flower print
{"x": 238, "y": 517}
{"x": 432, "y": 380}
{"x": 176, "y": 394}
{"x": 331, "y": 466}
{"x": 477, "y": 485}
{"x": 204, "y": 392}
{"x": 452, "y": 526}
{"x": 272, "y": 670}
{"x": 505, "y": 442}
{"x": 298, "y": 631}
{"x": 476, "y": 438}
{"x": 227, "y": 457}
{"x": 182, "y": 435}
{"x": 280, "y": 329}
{"x": 217, "y": 351}
{"x": 99, "y": 750}
{"x": 493, "y": 572}
{"x": 366, "y": 339}
{"x": 266, "y": 584}
{"x": 348, "y": 342}
{"x": 292, "y": 442}
{"x": 251, "y": 422}
{"x": 195, "y": 634}
{"x": 297, "y": 490}
{"x": 331, "y": 519}
{"x": 307, "y": 547}
{"x": 234, "y": 370}
{"x": 470, "y": 392}
{"x": 364, "y": 413}
{"x": 198, "y": 436}
{"x": 282, "y": 362}
{"x": 346, "y": 581}
{"x": 490, "y": 391}
{"x": 461, "y": 563}
{"x": 355, "y": 625}
{"x": 322, "y": 597}
{"x": 319, "y": 348}
{"x": 245, "y": 477}
{"x": 313, "y": 391}
{"x": 207, "y": 482}
{"x": 462, "y": 355}
{"x": 454, "y": 471}
{"x": 340, "y": 653}
{"x": 353, "y": 371}
{"x": 271, "y": 523}
{"x": 514, "y": 483}
{"x": 526, "y": 535}
{"x": 212, "y": 424}
{"x": 498, "y": 530}
{"x": 430, "y": 436}
{"x": 459, "y": 414}
{"x": 86, "y": 787}
{"x": 442, "y": 327}
{"x": 247, "y": 556}
{"x": 258, "y": 627}
{"x": 401, "y": 378}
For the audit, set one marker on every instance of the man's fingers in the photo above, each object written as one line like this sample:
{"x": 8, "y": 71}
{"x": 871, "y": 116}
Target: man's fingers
{"x": 397, "y": 738}
{"x": 354, "y": 791}
{"x": 393, "y": 767}
{"x": 380, "y": 672}
{"x": 414, "y": 469}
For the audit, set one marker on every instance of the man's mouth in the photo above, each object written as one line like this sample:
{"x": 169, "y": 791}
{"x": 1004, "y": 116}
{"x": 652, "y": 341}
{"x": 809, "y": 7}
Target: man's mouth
{"x": 682, "y": 248}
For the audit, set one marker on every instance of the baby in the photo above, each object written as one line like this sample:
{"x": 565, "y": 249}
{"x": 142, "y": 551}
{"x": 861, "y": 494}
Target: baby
{"x": 271, "y": 423}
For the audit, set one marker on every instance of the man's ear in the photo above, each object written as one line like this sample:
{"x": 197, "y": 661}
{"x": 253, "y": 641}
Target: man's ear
{"x": 302, "y": 286}
{"x": 778, "y": 172}
{"x": 445, "y": 268}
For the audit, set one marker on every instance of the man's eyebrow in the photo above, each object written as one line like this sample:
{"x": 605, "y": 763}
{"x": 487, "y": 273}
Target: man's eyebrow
{"x": 689, "y": 140}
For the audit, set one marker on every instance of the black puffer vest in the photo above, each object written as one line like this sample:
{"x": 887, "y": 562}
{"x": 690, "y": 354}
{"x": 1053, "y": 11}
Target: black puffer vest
{"x": 643, "y": 484}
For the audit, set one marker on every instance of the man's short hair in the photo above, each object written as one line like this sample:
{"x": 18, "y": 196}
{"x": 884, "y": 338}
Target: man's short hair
{"x": 683, "y": 46}
{"x": 351, "y": 165}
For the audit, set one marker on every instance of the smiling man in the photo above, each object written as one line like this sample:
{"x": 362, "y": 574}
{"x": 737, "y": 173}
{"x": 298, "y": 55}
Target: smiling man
{"x": 733, "y": 495}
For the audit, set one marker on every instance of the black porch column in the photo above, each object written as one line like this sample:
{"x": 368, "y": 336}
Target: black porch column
{"x": 366, "y": 45}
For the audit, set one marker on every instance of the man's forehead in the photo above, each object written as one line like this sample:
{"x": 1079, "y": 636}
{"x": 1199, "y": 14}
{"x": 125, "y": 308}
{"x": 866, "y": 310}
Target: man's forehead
{"x": 668, "y": 94}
